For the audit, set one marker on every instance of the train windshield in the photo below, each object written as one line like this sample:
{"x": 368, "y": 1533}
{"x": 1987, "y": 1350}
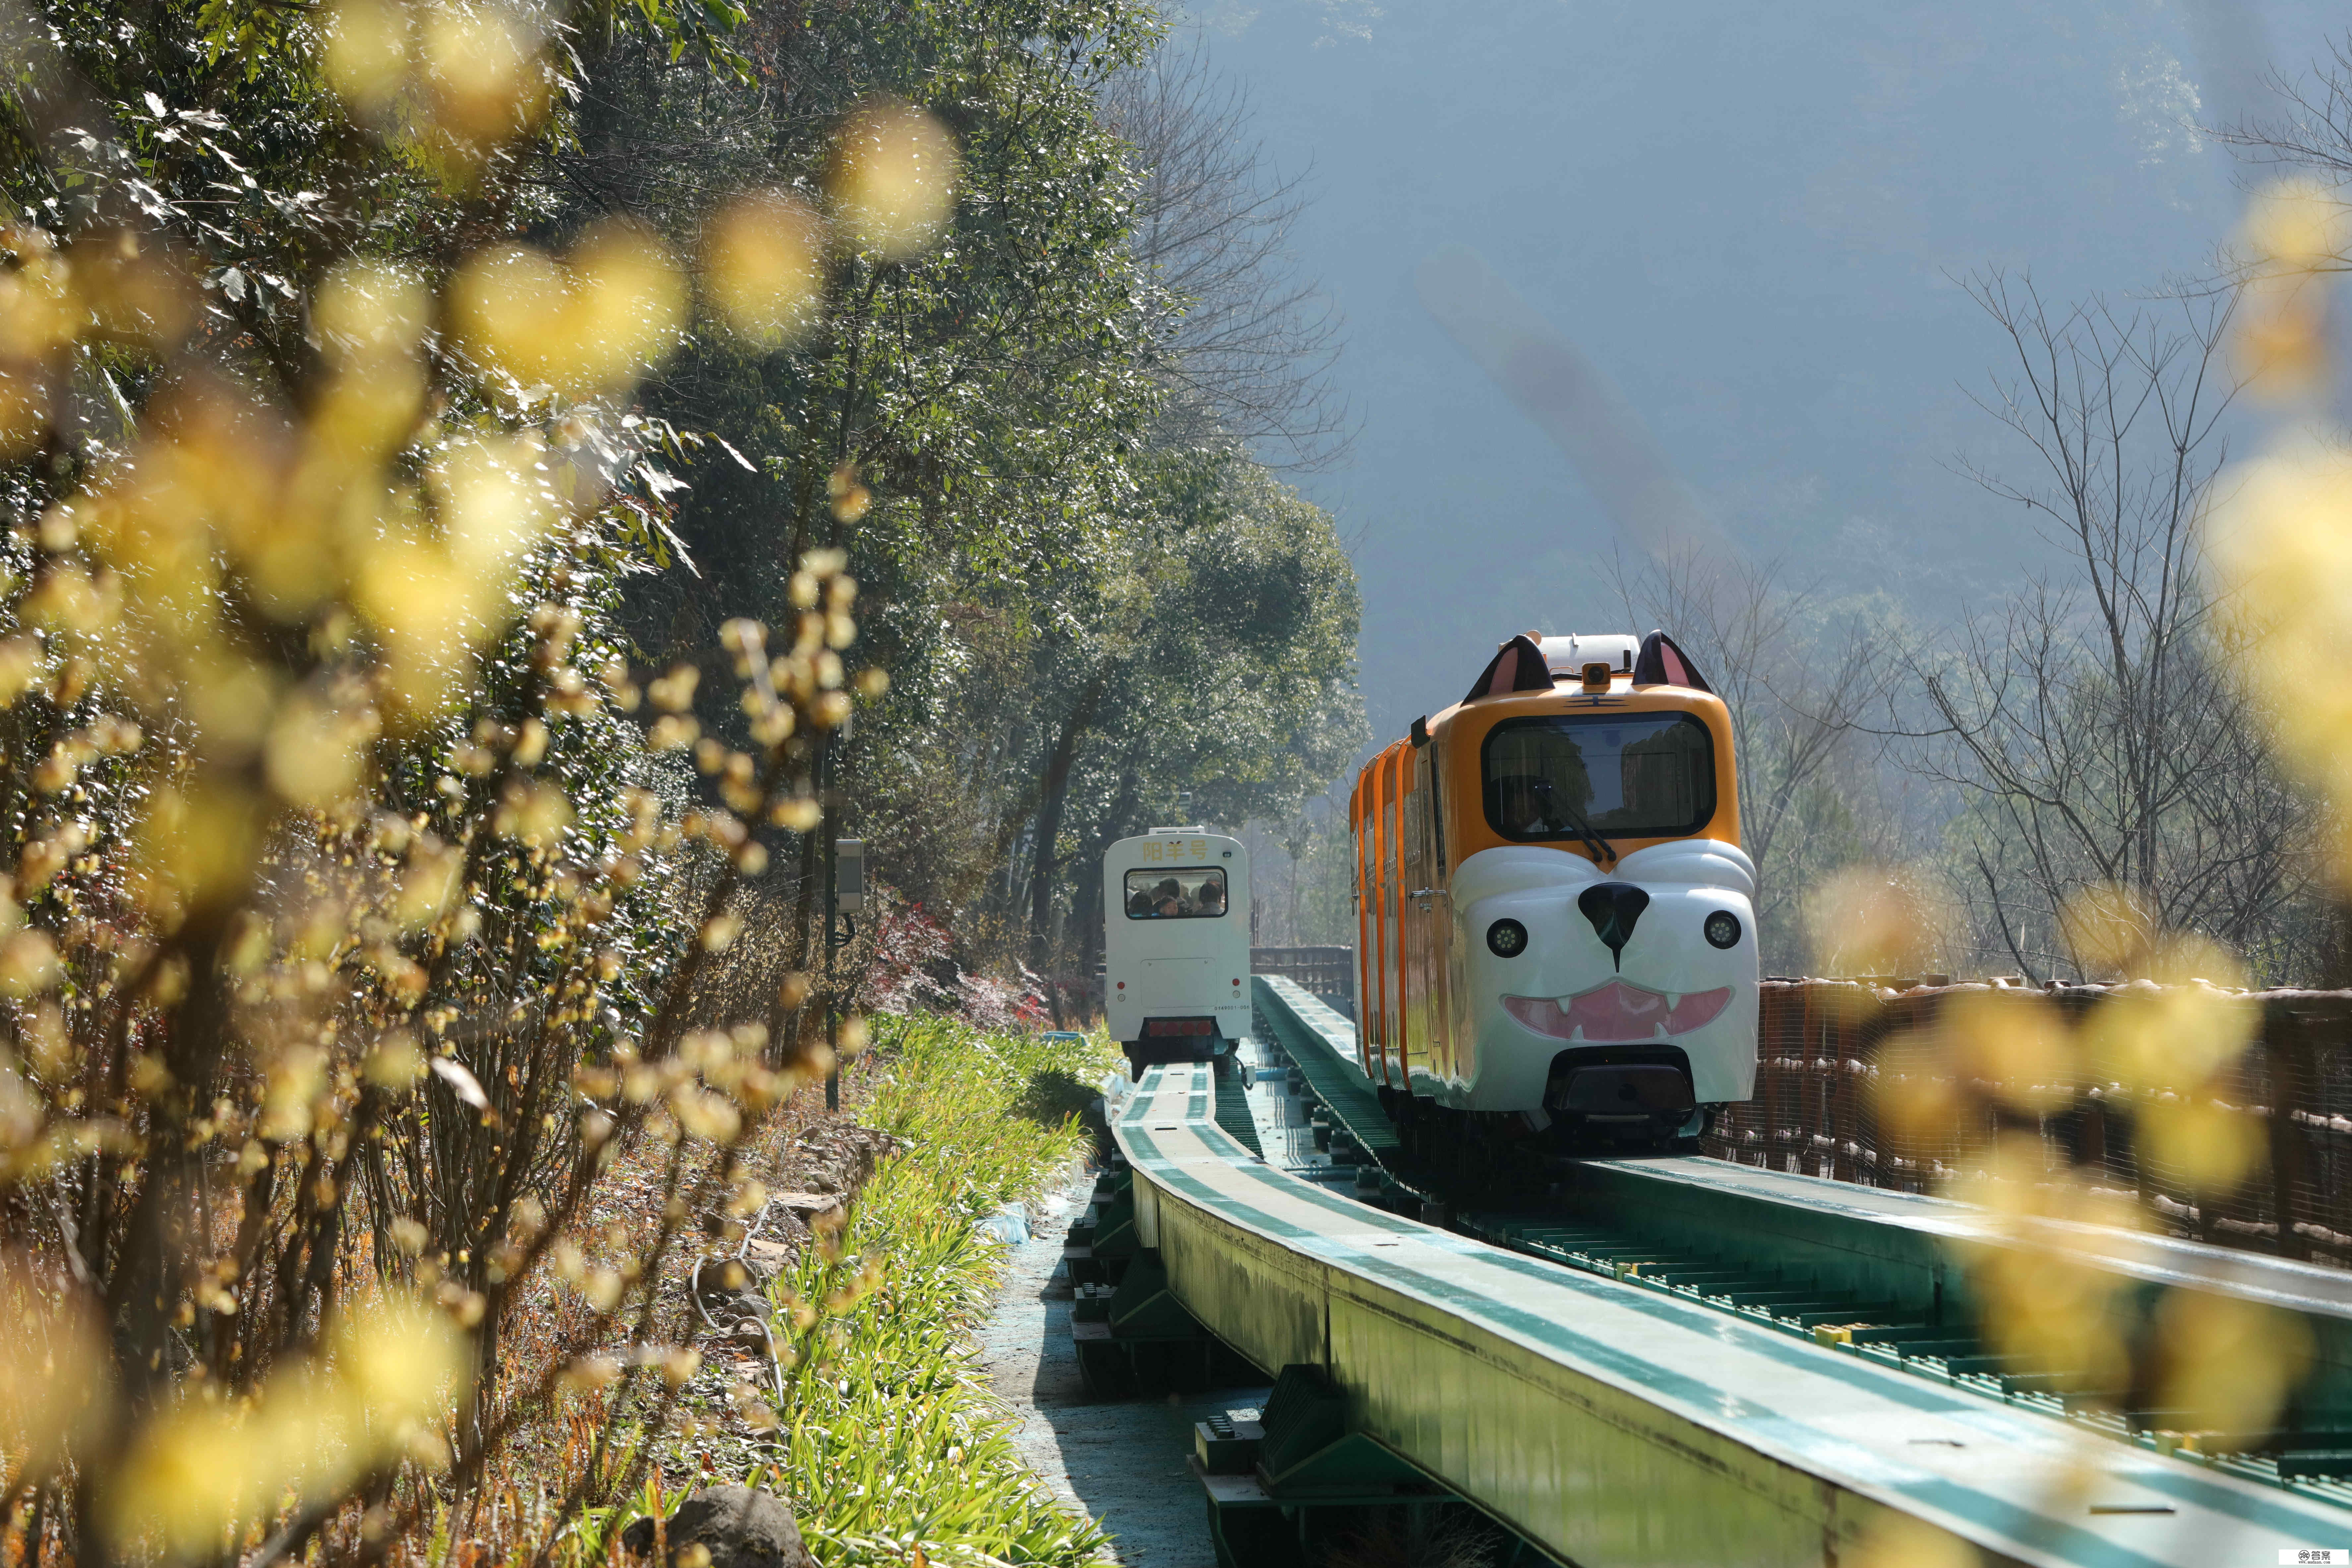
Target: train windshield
{"x": 1176, "y": 895}
{"x": 1622, "y": 775}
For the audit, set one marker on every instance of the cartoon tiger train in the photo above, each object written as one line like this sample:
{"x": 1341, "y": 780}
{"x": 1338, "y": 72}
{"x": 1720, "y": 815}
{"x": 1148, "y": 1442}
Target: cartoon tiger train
{"x": 1556, "y": 919}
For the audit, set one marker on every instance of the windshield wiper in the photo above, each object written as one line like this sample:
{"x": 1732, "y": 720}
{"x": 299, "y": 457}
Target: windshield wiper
{"x": 1601, "y": 848}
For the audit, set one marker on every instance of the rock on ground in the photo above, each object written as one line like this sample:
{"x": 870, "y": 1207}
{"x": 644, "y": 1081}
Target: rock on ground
{"x": 739, "y": 1527}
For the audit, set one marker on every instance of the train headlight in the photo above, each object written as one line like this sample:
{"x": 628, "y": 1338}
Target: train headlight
{"x": 1506, "y": 939}
{"x": 1722, "y": 928}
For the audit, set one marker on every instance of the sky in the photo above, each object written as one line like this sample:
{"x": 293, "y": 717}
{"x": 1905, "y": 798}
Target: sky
{"x": 1754, "y": 222}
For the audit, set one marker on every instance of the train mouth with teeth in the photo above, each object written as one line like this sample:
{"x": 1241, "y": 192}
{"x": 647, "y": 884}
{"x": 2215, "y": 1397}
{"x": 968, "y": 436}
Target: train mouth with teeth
{"x": 1557, "y": 932}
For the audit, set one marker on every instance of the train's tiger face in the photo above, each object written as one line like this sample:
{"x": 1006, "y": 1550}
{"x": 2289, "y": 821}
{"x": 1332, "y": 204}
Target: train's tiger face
{"x": 1649, "y": 961}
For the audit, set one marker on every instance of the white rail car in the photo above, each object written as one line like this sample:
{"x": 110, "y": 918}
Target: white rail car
{"x": 1176, "y": 948}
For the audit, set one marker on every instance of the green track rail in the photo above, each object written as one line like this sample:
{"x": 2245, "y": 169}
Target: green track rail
{"x": 1233, "y": 1113}
{"x": 1586, "y": 1389}
{"x": 1321, "y": 1045}
{"x": 2313, "y": 1457}
{"x": 1873, "y": 1274}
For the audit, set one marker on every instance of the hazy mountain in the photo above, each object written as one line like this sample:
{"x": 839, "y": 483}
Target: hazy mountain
{"x": 1745, "y": 220}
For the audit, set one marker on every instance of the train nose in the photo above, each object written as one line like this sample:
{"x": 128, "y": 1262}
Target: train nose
{"x": 1614, "y": 907}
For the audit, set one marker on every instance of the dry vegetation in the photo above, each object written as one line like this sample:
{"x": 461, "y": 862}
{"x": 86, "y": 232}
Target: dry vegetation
{"x": 377, "y": 1035}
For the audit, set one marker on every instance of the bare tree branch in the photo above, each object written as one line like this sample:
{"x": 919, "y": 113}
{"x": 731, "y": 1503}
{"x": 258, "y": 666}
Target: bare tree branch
{"x": 1246, "y": 343}
{"x": 2091, "y": 724}
{"x": 1797, "y": 683}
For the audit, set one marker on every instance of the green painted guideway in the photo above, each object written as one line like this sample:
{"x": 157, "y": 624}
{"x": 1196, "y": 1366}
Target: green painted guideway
{"x": 1612, "y": 1421}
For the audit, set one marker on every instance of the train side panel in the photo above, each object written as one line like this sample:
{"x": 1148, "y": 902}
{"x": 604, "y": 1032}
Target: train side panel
{"x": 1412, "y": 884}
{"x": 1445, "y": 1047}
{"x": 1425, "y": 919}
{"x": 1368, "y": 858}
{"x": 1389, "y": 1059}
{"x": 1368, "y": 976}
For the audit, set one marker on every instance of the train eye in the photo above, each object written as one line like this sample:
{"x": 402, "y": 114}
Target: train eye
{"x": 1506, "y": 939}
{"x": 1723, "y": 929}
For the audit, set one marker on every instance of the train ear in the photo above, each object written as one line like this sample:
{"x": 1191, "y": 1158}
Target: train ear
{"x": 1517, "y": 666}
{"x": 1661, "y": 663}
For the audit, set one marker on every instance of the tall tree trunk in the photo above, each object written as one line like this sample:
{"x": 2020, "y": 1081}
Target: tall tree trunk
{"x": 2335, "y": 946}
{"x": 1045, "y": 862}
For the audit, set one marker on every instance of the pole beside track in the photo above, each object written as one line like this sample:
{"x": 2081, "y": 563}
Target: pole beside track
{"x": 1612, "y": 1425}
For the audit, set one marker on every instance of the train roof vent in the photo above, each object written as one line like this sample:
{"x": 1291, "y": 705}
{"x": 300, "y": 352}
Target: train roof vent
{"x": 1569, "y": 654}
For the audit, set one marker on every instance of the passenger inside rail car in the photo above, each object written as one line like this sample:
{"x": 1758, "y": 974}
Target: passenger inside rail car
{"x": 1193, "y": 896}
{"x": 1557, "y": 916}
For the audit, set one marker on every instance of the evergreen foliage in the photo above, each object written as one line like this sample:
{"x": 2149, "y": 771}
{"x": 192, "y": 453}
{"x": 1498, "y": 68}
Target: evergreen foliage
{"x": 383, "y": 387}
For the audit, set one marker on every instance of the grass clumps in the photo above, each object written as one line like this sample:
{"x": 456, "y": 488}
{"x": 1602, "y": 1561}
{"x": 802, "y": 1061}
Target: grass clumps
{"x": 889, "y": 1442}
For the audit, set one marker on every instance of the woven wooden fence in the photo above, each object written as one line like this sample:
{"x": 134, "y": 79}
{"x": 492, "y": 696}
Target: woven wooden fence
{"x": 1826, "y": 1047}
{"x": 1326, "y": 973}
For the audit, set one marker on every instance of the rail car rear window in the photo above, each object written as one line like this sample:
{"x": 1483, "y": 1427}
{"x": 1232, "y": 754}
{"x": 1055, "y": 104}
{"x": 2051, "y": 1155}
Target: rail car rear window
{"x": 1176, "y": 895}
{"x": 1629, "y": 776}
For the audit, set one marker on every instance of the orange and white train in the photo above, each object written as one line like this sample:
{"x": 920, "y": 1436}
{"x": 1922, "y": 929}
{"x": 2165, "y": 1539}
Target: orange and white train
{"x": 1556, "y": 919}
